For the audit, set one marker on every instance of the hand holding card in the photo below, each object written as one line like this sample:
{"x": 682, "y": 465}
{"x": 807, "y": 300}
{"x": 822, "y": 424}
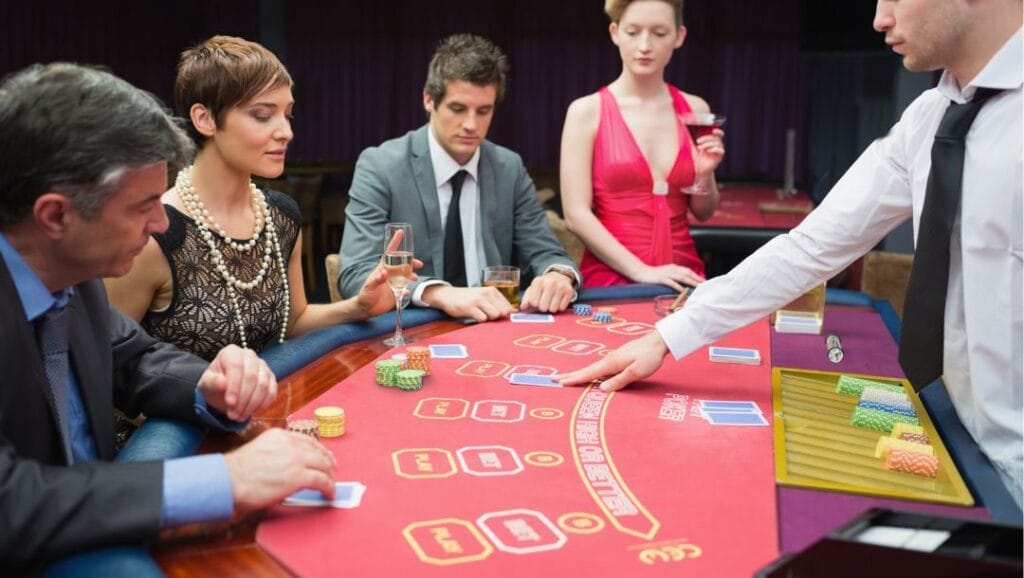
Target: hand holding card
{"x": 346, "y": 495}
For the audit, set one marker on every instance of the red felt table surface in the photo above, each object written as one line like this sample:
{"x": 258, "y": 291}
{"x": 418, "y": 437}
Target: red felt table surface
{"x": 740, "y": 206}
{"x": 473, "y": 476}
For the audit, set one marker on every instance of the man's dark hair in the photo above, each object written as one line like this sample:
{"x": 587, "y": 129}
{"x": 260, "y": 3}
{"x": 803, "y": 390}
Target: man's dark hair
{"x": 468, "y": 58}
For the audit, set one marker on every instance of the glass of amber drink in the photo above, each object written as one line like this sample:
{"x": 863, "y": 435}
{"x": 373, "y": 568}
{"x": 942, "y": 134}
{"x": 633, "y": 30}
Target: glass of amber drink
{"x": 506, "y": 280}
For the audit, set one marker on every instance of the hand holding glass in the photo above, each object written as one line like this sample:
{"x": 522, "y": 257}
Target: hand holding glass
{"x": 700, "y": 124}
{"x": 398, "y": 257}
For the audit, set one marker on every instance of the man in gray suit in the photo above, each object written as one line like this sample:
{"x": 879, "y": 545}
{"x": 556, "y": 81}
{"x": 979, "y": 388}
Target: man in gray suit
{"x": 495, "y": 218}
{"x": 85, "y": 159}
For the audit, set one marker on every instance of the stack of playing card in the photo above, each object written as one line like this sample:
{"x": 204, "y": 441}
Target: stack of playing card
{"x": 346, "y": 495}
{"x": 796, "y": 323}
{"x": 734, "y": 355}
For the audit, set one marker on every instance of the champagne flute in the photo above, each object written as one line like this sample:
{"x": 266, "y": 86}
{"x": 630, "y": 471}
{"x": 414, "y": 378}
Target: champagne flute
{"x": 398, "y": 251}
{"x": 700, "y": 124}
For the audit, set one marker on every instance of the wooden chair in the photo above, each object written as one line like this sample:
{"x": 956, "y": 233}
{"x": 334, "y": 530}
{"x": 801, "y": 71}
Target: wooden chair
{"x": 332, "y": 263}
{"x": 570, "y": 242}
{"x": 885, "y": 276}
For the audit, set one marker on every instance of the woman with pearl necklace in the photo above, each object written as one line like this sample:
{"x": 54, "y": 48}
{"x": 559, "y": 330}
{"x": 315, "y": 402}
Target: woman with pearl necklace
{"x": 229, "y": 269}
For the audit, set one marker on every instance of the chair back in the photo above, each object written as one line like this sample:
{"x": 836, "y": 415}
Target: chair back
{"x": 332, "y": 263}
{"x": 570, "y": 242}
{"x": 885, "y": 276}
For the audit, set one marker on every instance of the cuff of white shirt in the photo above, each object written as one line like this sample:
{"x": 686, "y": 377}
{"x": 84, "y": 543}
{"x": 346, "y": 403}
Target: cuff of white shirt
{"x": 417, "y": 294}
{"x": 213, "y": 418}
{"x": 197, "y": 489}
{"x": 680, "y": 334}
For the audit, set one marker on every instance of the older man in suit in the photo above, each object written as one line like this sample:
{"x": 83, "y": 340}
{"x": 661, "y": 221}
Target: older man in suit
{"x": 85, "y": 159}
{"x": 470, "y": 202}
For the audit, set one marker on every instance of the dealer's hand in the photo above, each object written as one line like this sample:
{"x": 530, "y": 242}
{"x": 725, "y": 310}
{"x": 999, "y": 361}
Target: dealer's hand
{"x": 633, "y": 361}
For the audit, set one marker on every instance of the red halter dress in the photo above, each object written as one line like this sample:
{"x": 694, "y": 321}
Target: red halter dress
{"x": 654, "y": 227}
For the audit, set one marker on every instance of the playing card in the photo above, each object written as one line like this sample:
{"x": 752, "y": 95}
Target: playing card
{"x": 741, "y": 406}
{"x": 734, "y": 355}
{"x": 734, "y": 418}
{"x": 531, "y": 379}
{"x": 448, "y": 351}
{"x": 533, "y": 318}
{"x": 346, "y": 495}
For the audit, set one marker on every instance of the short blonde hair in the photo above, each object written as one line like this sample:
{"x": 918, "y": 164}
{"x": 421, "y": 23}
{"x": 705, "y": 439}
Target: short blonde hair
{"x": 615, "y": 8}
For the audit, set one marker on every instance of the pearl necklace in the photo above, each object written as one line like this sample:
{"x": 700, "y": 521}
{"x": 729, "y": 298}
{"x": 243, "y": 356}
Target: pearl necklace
{"x": 205, "y": 222}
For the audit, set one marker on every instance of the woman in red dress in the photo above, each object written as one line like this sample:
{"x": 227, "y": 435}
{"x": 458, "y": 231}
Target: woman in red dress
{"x": 627, "y": 158}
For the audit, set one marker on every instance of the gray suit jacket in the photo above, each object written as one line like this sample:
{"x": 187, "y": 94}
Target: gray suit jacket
{"x": 395, "y": 183}
{"x": 51, "y": 509}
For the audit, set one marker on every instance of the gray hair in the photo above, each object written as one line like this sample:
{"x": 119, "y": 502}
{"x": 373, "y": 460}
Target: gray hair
{"x": 77, "y": 130}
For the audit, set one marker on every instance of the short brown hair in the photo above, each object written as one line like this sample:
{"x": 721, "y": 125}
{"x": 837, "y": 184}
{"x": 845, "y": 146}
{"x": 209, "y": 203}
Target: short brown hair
{"x": 221, "y": 73}
{"x": 469, "y": 58}
{"x": 615, "y": 8}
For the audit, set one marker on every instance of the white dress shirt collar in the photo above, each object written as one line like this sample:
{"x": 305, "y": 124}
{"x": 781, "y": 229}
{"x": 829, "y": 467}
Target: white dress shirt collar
{"x": 445, "y": 166}
{"x": 1002, "y": 71}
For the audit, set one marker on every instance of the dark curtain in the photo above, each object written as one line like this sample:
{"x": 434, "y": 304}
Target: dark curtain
{"x": 360, "y": 66}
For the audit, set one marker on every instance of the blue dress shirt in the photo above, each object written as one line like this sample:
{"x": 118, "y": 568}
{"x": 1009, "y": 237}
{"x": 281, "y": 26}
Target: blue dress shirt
{"x": 196, "y": 488}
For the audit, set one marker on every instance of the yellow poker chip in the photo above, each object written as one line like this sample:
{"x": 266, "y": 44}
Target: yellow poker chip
{"x": 328, "y": 412}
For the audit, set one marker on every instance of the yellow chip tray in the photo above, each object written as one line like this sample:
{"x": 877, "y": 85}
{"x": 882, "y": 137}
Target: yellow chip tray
{"x": 816, "y": 447}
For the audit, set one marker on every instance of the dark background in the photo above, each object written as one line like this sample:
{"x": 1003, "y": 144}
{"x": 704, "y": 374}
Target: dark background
{"x": 813, "y": 66}
{"x": 359, "y": 66}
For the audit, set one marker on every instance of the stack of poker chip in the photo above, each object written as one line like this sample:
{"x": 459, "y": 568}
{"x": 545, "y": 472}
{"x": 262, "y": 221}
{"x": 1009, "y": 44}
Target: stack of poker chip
{"x": 881, "y": 405}
{"x": 417, "y": 357}
{"x": 387, "y": 372}
{"x": 848, "y": 385}
{"x": 909, "y": 462}
{"x": 330, "y": 421}
{"x": 602, "y": 317}
{"x": 919, "y": 438}
{"x": 908, "y": 450}
{"x": 907, "y": 411}
{"x": 303, "y": 426}
{"x": 886, "y": 443}
{"x": 410, "y": 379}
{"x": 581, "y": 309}
{"x": 878, "y": 420}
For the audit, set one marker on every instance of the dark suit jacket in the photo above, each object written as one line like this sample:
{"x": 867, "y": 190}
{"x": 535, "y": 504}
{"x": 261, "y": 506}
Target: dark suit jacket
{"x": 48, "y": 509}
{"x": 395, "y": 182}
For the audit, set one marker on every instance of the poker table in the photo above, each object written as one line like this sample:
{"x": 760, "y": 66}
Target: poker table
{"x": 473, "y": 475}
{"x": 748, "y": 216}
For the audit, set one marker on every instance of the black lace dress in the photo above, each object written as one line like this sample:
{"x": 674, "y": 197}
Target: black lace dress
{"x": 200, "y": 318}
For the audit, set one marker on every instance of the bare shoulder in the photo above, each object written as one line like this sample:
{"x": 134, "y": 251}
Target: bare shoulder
{"x": 697, "y": 104}
{"x": 583, "y": 113}
{"x": 151, "y": 269}
{"x": 170, "y": 197}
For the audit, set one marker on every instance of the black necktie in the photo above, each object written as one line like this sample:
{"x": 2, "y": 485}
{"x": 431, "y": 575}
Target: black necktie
{"x": 52, "y": 333}
{"x": 454, "y": 258}
{"x": 921, "y": 340}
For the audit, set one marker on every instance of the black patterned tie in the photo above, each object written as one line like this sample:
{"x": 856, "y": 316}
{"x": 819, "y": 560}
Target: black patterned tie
{"x": 52, "y": 333}
{"x": 454, "y": 256}
{"x": 921, "y": 340}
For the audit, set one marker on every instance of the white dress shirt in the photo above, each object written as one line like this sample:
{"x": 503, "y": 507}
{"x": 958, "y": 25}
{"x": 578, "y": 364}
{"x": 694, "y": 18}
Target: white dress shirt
{"x": 982, "y": 363}
{"x": 445, "y": 168}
